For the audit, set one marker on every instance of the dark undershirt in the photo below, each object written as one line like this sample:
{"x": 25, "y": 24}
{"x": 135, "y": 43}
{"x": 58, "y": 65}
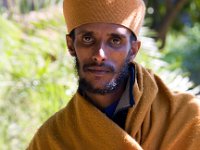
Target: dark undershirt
{"x": 120, "y": 116}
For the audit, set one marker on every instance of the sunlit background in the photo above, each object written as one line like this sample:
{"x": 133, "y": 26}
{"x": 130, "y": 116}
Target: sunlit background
{"x": 36, "y": 72}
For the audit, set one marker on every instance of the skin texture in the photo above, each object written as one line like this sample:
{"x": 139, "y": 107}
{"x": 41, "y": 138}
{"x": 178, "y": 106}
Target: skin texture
{"x": 102, "y": 52}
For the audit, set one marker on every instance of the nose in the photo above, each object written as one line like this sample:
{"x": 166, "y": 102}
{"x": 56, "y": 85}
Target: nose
{"x": 99, "y": 56}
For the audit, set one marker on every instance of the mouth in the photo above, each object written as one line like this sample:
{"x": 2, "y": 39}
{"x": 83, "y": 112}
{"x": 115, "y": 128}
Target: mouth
{"x": 98, "y": 71}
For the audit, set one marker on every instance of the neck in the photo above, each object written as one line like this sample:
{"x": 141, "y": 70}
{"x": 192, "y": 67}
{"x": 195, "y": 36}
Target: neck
{"x": 103, "y": 101}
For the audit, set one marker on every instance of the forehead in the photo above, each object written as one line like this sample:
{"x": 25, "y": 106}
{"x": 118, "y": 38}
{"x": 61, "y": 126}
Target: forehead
{"x": 103, "y": 28}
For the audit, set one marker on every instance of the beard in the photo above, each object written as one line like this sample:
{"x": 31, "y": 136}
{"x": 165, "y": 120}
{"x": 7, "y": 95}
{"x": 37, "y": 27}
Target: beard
{"x": 109, "y": 87}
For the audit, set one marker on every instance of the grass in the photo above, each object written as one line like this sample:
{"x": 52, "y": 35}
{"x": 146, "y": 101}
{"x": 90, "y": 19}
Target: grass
{"x": 36, "y": 75}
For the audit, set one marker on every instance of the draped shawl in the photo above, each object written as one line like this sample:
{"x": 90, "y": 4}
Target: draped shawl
{"x": 159, "y": 120}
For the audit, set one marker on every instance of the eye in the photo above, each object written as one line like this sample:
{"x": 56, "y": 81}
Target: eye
{"x": 116, "y": 41}
{"x": 87, "y": 39}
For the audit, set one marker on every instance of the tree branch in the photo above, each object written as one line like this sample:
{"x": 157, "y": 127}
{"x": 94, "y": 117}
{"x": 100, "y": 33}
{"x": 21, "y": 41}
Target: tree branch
{"x": 168, "y": 19}
{"x": 146, "y": 2}
{"x": 169, "y": 5}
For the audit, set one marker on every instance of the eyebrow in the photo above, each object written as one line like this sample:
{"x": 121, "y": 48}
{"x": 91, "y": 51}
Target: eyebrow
{"x": 85, "y": 32}
{"x": 117, "y": 35}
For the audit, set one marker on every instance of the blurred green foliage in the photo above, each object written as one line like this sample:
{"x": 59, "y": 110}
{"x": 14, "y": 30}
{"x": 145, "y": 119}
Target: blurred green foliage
{"x": 188, "y": 15}
{"x": 35, "y": 74}
{"x": 183, "y": 51}
{"x": 25, "y": 6}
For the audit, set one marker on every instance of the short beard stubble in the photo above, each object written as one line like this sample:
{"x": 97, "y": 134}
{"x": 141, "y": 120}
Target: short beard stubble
{"x": 110, "y": 87}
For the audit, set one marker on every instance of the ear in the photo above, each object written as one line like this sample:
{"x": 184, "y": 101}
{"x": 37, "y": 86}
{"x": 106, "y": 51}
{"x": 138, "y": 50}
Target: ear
{"x": 70, "y": 45}
{"x": 135, "y": 46}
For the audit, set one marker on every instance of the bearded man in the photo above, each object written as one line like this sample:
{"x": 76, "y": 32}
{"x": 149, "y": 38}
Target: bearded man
{"x": 119, "y": 105}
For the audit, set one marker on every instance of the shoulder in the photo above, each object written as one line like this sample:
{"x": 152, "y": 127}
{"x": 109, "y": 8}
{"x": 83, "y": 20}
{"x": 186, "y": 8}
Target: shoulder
{"x": 58, "y": 119}
{"x": 177, "y": 101}
{"x": 52, "y": 129}
{"x": 187, "y": 102}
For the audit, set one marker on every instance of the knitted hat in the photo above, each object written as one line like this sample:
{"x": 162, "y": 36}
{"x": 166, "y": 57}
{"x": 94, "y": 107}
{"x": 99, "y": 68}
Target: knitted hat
{"x": 129, "y": 13}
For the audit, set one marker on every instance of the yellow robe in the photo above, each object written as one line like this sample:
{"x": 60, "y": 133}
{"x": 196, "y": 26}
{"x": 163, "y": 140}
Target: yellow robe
{"x": 159, "y": 120}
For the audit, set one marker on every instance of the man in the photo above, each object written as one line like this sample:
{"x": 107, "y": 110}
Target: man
{"x": 118, "y": 104}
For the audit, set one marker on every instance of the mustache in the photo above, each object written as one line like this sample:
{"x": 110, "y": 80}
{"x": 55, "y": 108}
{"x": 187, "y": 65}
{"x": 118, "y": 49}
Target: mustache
{"x": 104, "y": 65}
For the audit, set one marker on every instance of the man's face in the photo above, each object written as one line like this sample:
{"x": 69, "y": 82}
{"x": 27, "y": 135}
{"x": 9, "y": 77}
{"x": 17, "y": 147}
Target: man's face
{"x": 102, "y": 53}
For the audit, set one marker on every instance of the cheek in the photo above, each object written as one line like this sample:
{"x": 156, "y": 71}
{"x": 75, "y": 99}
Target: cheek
{"x": 120, "y": 57}
{"x": 82, "y": 53}
{"x": 83, "y": 58}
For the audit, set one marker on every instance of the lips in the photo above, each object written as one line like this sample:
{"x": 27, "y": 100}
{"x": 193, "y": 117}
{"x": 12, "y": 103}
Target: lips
{"x": 98, "y": 70}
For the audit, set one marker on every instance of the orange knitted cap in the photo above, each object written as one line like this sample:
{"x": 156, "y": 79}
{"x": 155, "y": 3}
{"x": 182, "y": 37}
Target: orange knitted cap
{"x": 129, "y": 13}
